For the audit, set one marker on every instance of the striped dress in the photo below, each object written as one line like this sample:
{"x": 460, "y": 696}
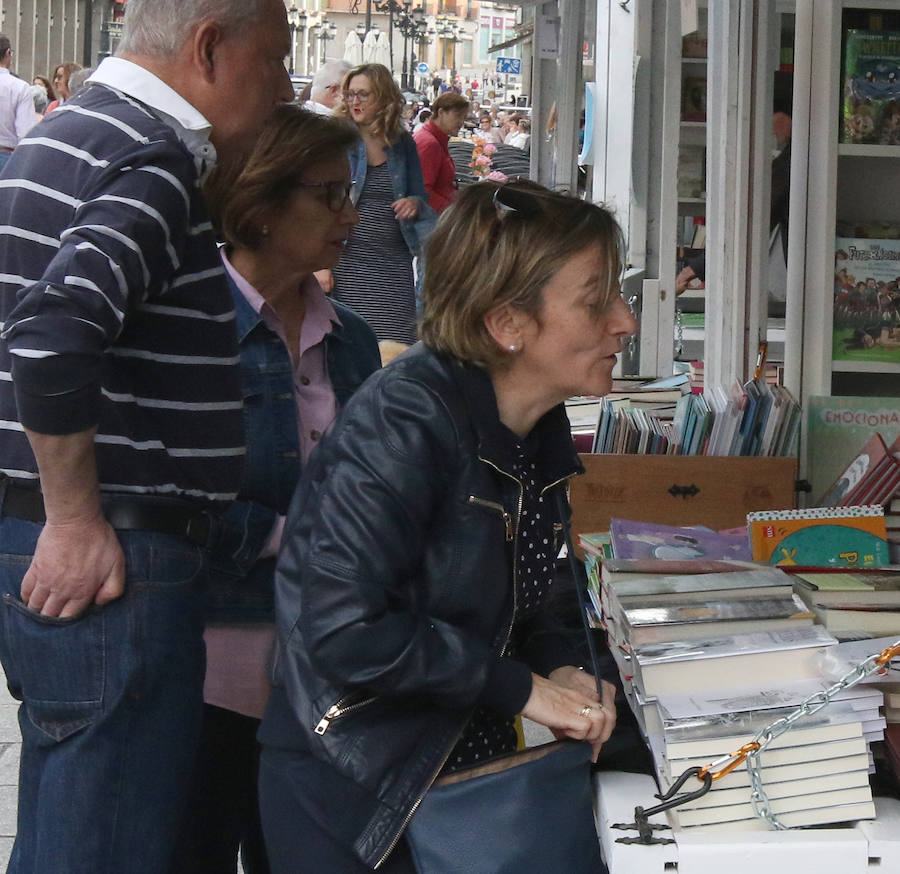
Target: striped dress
{"x": 375, "y": 275}
{"x": 114, "y": 306}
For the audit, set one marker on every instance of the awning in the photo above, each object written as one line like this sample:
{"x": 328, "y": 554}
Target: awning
{"x": 526, "y": 34}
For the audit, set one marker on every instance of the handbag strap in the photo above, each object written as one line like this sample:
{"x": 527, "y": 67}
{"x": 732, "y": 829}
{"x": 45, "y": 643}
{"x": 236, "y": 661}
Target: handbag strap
{"x": 577, "y": 574}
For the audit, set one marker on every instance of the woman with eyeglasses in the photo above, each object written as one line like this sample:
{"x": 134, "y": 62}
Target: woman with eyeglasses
{"x": 415, "y": 575}
{"x": 375, "y": 273}
{"x": 285, "y": 212}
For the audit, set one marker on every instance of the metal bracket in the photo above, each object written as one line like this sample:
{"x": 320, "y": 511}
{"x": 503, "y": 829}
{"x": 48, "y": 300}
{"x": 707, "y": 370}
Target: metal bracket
{"x": 685, "y": 492}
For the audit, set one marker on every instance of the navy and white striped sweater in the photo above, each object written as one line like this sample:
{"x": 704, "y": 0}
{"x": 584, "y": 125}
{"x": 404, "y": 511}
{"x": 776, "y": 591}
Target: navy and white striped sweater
{"x": 114, "y": 304}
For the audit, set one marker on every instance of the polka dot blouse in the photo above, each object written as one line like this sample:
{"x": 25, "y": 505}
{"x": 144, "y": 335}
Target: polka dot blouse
{"x": 488, "y": 734}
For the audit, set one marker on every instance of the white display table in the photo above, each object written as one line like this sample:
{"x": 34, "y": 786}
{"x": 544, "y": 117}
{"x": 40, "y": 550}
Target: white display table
{"x": 869, "y": 847}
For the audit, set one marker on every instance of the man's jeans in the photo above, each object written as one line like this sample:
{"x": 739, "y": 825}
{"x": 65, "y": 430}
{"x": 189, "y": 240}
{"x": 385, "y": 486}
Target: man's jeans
{"x": 111, "y": 710}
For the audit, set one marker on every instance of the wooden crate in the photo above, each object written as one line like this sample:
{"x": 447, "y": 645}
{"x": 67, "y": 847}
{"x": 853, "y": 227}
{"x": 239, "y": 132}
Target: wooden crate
{"x": 679, "y": 489}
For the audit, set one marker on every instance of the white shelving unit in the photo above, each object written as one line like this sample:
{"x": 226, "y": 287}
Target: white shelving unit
{"x": 847, "y": 182}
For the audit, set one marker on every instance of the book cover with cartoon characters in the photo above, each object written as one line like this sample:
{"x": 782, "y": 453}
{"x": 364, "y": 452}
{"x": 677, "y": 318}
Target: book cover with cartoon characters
{"x": 871, "y": 100}
{"x": 820, "y": 537}
{"x": 866, "y": 300}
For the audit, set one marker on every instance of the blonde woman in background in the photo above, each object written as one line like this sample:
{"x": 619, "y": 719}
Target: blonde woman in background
{"x": 375, "y": 273}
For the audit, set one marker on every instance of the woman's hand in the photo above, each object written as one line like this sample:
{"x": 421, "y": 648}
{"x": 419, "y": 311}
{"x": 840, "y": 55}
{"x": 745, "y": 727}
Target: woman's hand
{"x": 406, "y": 207}
{"x": 568, "y": 704}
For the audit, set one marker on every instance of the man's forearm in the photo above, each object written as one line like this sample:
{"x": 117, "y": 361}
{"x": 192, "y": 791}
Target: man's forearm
{"x": 67, "y": 466}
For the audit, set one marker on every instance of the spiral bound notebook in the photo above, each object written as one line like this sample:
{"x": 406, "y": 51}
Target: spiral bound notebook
{"x": 820, "y": 537}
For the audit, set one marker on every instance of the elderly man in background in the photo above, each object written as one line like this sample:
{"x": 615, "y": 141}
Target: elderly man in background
{"x": 122, "y": 430}
{"x": 326, "y": 87}
{"x": 16, "y": 104}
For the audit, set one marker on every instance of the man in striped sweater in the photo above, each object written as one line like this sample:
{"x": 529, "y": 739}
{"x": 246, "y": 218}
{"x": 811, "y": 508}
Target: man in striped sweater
{"x": 120, "y": 424}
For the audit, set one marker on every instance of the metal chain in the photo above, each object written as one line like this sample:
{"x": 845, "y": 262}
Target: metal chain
{"x": 810, "y": 705}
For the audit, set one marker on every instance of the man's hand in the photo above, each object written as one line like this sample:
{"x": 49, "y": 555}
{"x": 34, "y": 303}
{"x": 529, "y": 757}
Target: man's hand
{"x": 75, "y": 564}
{"x": 78, "y": 560}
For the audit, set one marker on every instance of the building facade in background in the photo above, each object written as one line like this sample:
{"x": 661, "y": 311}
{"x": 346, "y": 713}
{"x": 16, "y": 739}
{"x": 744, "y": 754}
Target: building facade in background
{"x": 46, "y": 33}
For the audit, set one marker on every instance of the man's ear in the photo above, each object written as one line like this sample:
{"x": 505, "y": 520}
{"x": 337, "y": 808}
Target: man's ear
{"x": 504, "y": 323}
{"x": 205, "y": 44}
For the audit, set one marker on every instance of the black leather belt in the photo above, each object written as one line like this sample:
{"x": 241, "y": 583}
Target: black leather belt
{"x": 164, "y": 515}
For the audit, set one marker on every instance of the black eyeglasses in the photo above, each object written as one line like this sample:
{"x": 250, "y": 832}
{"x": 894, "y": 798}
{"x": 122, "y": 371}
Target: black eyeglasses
{"x": 337, "y": 192}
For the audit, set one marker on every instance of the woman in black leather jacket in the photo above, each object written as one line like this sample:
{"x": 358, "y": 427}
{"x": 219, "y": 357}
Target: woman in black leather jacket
{"x": 418, "y": 554}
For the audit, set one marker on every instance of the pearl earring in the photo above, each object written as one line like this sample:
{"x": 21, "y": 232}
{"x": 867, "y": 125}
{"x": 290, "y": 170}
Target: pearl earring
{"x": 512, "y": 347}
{"x": 265, "y": 230}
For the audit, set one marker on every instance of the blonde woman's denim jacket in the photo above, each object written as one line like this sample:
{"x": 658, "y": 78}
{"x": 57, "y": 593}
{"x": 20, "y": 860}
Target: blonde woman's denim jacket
{"x": 406, "y": 177}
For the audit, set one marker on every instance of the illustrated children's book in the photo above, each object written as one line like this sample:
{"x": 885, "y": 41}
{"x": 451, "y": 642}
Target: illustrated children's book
{"x": 871, "y": 478}
{"x": 631, "y": 539}
{"x": 820, "y": 537}
{"x": 838, "y": 427}
{"x": 871, "y": 108}
{"x": 866, "y": 300}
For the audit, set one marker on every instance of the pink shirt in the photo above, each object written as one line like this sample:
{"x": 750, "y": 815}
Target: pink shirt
{"x": 237, "y": 656}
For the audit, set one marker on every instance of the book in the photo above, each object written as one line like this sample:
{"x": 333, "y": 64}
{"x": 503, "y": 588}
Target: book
{"x": 863, "y": 465}
{"x": 818, "y": 808}
{"x": 721, "y": 733}
{"x": 695, "y": 620}
{"x": 693, "y": 98}
{"x": 632, "y": 539}
{"x": 660, "y": 578}
{"x": 841, "y": 812}
{"x": 873, "y": 589}
{"x": 682, "y": 666}
{"x": 871, "y": 71}
{"x": 844, "y": 621}
{"x": 833, "y": 781}
{"x": 823, "y": 536}
{"x": 863, "y": 272}
{"x": 837, "y": 427}
{"x": 807, "y": 756}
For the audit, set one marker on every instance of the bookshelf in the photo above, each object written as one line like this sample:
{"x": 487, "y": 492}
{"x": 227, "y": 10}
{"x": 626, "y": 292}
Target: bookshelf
{"x": 850, "y": 184}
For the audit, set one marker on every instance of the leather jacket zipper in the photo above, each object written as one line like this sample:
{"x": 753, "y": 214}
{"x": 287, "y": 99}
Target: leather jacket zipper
{"x": 493, "y": 505}
{"x": 415, "y": 806}
{"x": 341, "y": 708}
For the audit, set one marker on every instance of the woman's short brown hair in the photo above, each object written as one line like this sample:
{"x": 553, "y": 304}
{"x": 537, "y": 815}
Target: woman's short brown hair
{"x": 244, "y": 194}
{"x": 482, "y": 256}
{"x": 449, "y": 101}
{"x": 389, "y": 102}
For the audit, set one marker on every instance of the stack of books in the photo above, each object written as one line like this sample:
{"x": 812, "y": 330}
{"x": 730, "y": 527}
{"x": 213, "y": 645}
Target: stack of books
{"x": 706, "y": 648}
{"x": 817, "y": 772}
{"x": 852, "y": 604}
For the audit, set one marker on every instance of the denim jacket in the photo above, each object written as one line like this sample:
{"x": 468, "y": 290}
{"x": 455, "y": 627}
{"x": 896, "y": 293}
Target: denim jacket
{"x": 241, "y": 588}
{"x": 406, "y": 178}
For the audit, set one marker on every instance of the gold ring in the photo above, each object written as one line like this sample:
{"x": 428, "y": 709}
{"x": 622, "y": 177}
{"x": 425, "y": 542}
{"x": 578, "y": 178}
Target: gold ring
{"x": 586, "y": 711}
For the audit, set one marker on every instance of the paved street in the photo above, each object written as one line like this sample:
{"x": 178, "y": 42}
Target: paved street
{"x": 9, "y": 770}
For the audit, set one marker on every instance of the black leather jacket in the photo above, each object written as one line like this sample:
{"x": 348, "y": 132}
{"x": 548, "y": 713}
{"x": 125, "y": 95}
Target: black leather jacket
{"x": 393, "y": 589}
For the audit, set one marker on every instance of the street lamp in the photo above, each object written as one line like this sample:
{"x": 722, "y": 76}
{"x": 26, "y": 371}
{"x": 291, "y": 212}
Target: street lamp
{"x": 293, "y": 17}
{"x": 327, "y": 31}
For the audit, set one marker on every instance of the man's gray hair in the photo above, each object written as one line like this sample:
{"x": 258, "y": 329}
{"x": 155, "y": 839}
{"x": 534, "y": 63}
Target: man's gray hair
{"x": 39, "y": 97}
{"x": 158, "y": 28}
{"x": 329, "y": 73}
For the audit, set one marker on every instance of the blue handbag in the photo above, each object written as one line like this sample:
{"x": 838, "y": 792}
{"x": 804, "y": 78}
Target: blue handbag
{"x": 529, "y": 812}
